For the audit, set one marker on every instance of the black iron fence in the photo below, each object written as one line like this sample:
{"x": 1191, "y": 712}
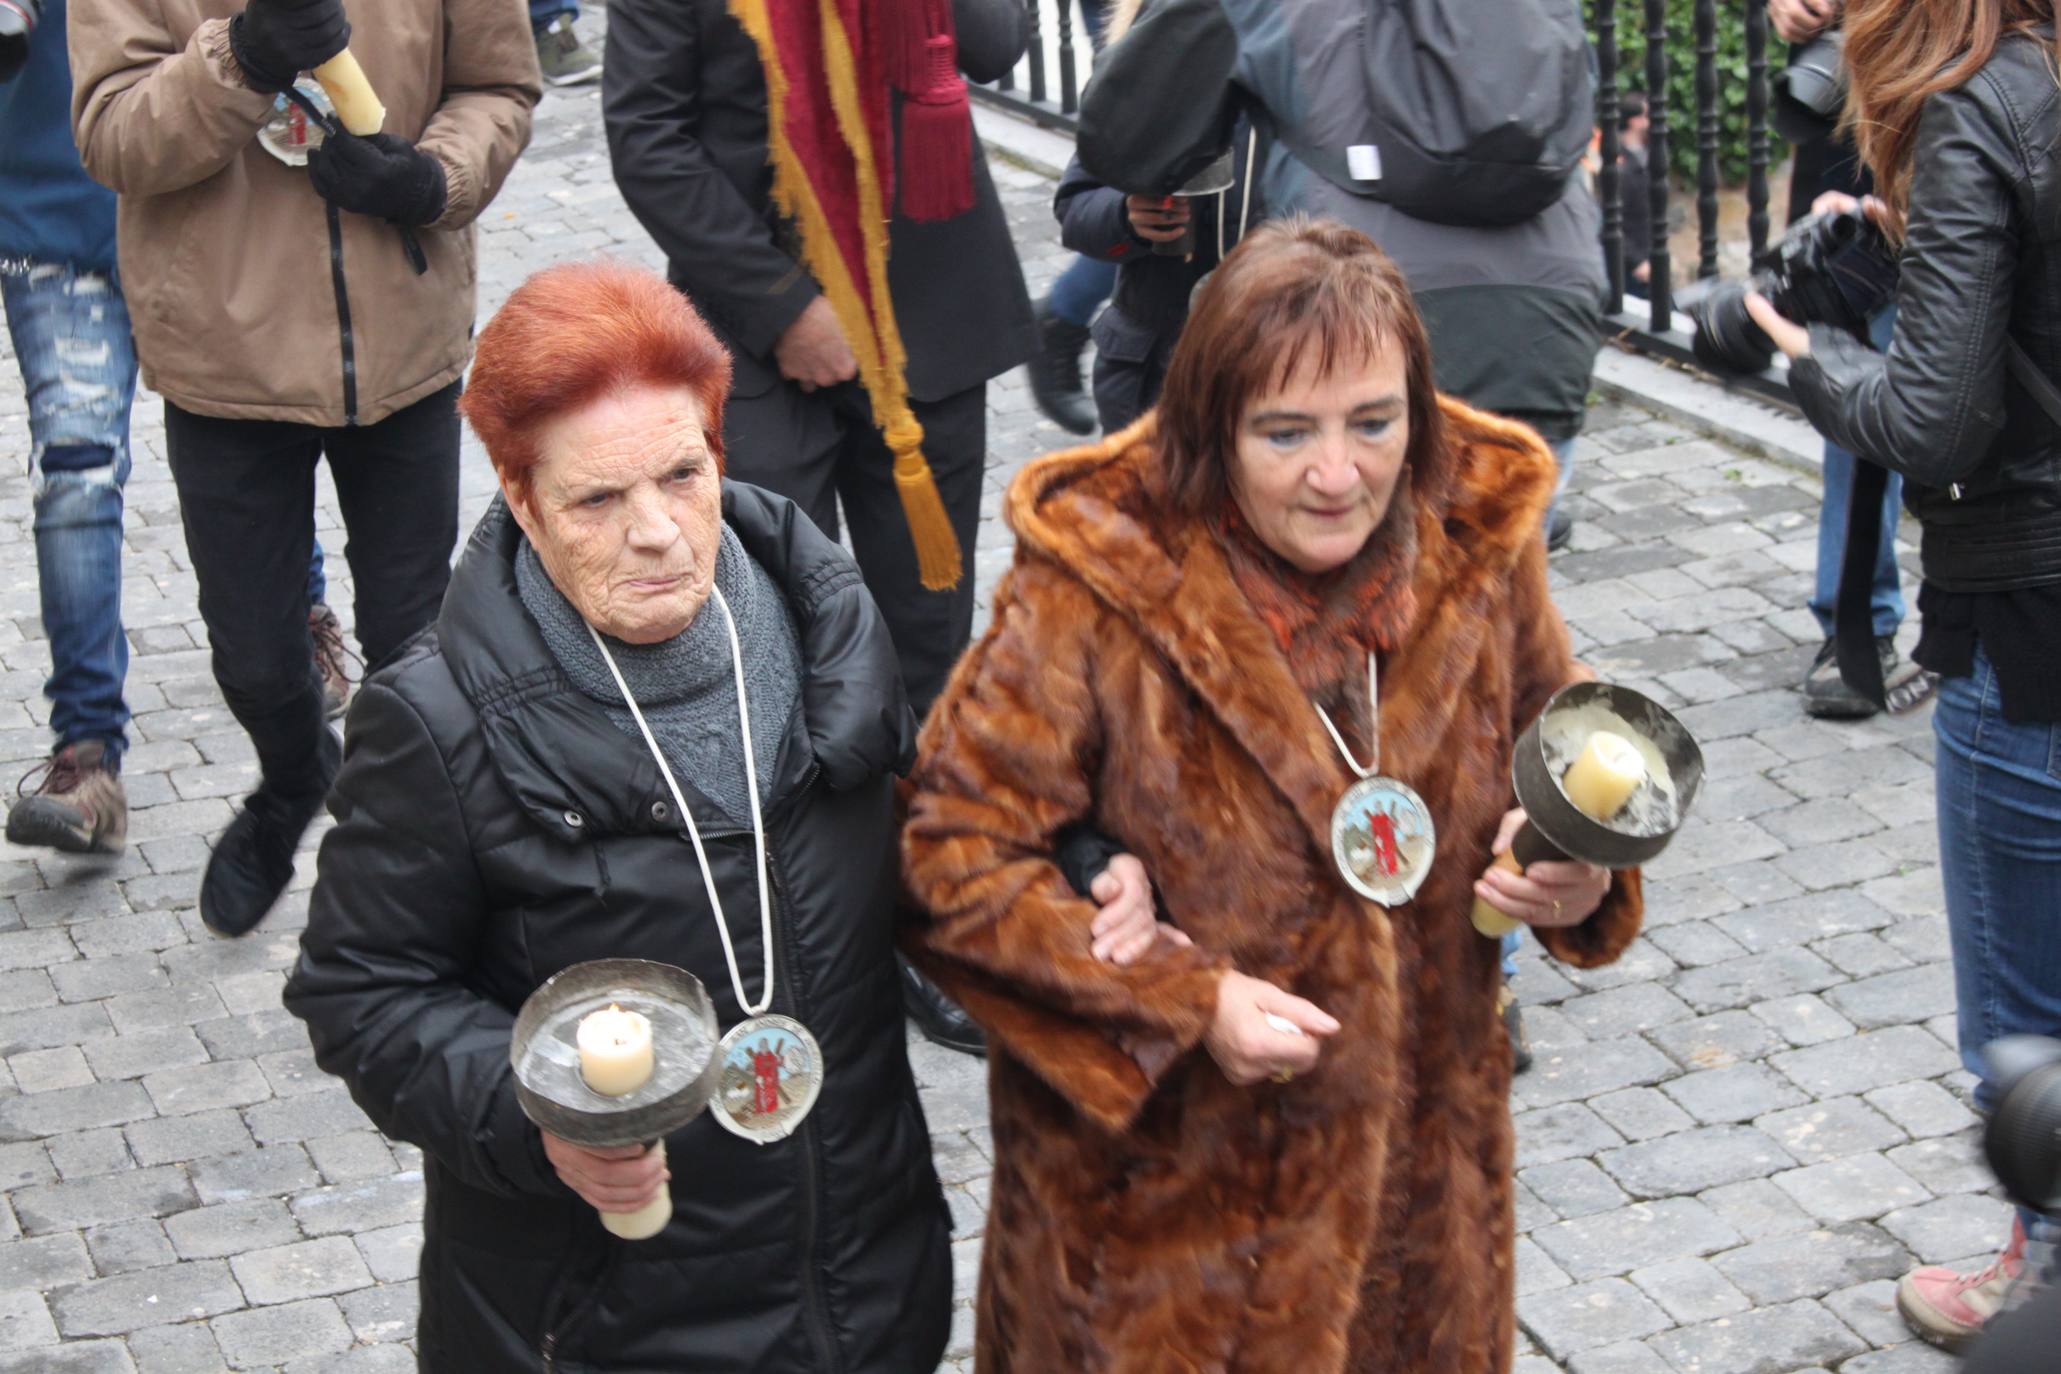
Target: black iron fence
{"x": 1046, "y": 87}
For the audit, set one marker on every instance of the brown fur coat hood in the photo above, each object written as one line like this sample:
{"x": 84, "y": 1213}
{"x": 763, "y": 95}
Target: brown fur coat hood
{"x": 1146, "y": 1214}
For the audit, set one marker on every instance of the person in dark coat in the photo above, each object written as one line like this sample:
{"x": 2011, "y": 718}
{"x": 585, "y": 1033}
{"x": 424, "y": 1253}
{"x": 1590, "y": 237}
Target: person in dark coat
{"x": 502, "y": 814}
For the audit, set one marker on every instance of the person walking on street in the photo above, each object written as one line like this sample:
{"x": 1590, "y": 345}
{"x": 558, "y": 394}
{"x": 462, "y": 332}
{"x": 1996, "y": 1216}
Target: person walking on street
{"x": 562, "y": 58}
{"x": 289, "y": 314}
{"x": 70, "y": 328}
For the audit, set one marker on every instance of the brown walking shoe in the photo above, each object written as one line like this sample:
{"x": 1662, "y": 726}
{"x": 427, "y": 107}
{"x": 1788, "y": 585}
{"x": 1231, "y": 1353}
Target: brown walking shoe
{"x": 77, "y": 804}
{"x": 331, "y": 658}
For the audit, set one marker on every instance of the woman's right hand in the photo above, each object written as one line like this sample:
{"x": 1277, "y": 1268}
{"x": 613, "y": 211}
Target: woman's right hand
{"x": 1247, "y": 1047}
{"x": 620, "y": 1178}
{"x": 1800, "y": 20}
{"x": 1157, "y": 219}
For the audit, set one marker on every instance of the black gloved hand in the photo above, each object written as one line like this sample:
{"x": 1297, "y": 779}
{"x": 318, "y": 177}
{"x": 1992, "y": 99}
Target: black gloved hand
{"x": 276, "y": 40}
{"x": 378, "y": 175}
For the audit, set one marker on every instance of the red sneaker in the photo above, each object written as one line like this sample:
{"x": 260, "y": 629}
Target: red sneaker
{"x": 1948, "y": 1309}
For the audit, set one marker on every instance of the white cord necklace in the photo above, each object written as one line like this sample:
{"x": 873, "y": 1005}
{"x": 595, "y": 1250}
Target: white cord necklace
{"x": 1373, "y": 764}
{"x": 1382, "y": 836}
{"x": 758, "y": 825}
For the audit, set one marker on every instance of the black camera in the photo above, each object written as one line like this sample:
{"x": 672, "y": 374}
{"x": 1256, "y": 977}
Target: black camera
{"x": 2023, "y": 1139}
{"x": 1811, "y": 90}
{"x": 1833, "y": 269}
{"x": 17, "y": 21}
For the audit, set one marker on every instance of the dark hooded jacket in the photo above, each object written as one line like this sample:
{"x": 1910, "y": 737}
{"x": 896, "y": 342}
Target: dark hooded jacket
{"x": 493, "y": 828}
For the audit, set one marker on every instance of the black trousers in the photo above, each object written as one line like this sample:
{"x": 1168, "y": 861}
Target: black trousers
{"x": 247, "y": 499}
{"x": 819, "y": 449}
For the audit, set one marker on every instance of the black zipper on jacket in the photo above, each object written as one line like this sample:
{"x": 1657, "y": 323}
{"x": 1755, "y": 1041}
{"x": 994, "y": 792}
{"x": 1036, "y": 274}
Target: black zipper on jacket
{"x": 815, "y": 1315}
{"x": 343, "y": 316}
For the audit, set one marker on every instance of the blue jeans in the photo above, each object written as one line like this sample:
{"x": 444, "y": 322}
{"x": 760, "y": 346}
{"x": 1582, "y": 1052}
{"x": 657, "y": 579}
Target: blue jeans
{"x": 1886, "y": 599}
{"x": 1080, "y": 290}
{"x": 542, "y": 12}
{"x": 1999, "y": 803}
{"x": 78, "y": 365}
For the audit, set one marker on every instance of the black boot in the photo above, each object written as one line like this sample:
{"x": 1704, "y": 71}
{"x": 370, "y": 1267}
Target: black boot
{"x": 1055, "y": 373}
{"x": 253, "y": 861}
{"x": 937, "y": 1016}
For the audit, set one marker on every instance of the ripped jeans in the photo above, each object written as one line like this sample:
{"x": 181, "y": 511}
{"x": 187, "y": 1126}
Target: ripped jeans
{"x": 78, "y": 364}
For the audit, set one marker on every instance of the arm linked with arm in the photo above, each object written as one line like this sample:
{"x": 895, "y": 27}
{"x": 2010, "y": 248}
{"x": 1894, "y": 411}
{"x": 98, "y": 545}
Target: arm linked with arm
{"x": 1931, "y": 405}
{"x": 1002, "y": 775}
{"x": 396, "y": 915}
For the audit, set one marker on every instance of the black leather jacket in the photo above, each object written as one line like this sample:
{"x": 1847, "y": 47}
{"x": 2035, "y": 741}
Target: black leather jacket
{"x": 1981, "y": 460}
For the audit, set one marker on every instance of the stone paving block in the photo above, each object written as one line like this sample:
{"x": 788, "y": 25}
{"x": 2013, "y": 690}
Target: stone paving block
{"x": 389, "y": 1313}
{"x": 1952, "y": 1228}
{"x": 1535, "y": 1272}
{"x": 1827, "y": 820}
{"x": 1691, "y": 1290}
{"x": 205, "y": 1087}
{"x": 364, "y": 1359}
{"x": 1717, "y": 1042}
{"x": 174, "y": 1006}
{"x": 177, "y": 1139}
{"x": 360, "y": 1206}
{"x": 1768, "y": 1340}
{"x": 146, "y": 932}
{"x": 1624, "y": 1011}
{"x": 130, "y": 1302}
{"x": 309, "y": 1269}
{"x": 1593, "y": 1069}
{"x": 1568, "y": 1320}
{"x": 97, "y": 1201}
{"x": 1922, "y": 1109}
{"x": 1843, "y": 774}
{"x": 1870, "y": 1309}
{"x": 1824, "y": 866}
{"x": 255, "y": 1033}
{"x": 1862, "y": 954}
{"x": 145, "y": 1052}
{"x": 231, "y": 1228}
{"x": 1693, "y": 1161}
{"x": 1693, "y": 944}
{"x": 293, "y": 1072}
{"x": 1736, "y": 982}
{"x": 188, "y": 1348}
{"x": 89, "y": 1154}
{"x": 1564, "y": 1132}
{"x": 1812, "y": 1263}
{"x": 127, "y": 1246}
{"x": 44, "y": 1262}
{"x": 1873, "y": 1059}
{"x": 394, "y": 1253}
{"x": 1921, "y": 940}
{"x": 1803, "y": 919}
{"x": 1627, "y": 1358}
{"x": 274, "y": 1335}
{"x": 1634, "y": 1237}
{"x": 42, "y": 1071}
{"x": 1803, "y": 1019}
{"x": 1914, "y": 1357}
{"x": 72, "y": 1109}
{"x": 307, "y": 1117}
{"x": 1573, "y": 1188}
{"x": 1829, "y": 1129}
{"x": 352, "y": 1157}
{"x": 1641, "y": 1113}
{"x": 24, "y": 1163}
{"x": 258, "y": 1173}
{"x": 1896, "y": 998}
{"x": 85, "y": 1357}
{"x": 1855, "y": 1188}
{"x": 89, "y": 980}
{"x": 1737, "y": 1093}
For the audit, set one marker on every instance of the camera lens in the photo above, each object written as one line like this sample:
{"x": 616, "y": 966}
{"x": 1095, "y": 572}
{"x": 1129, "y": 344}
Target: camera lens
{"x": 2023, "y": 1142}
{"x": 1727, "y": 339}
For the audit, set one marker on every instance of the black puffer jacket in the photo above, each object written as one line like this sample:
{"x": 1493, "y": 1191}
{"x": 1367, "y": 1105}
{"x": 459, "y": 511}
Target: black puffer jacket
{"x": 493, "y": 828}
{"x": 1980, "y": 459}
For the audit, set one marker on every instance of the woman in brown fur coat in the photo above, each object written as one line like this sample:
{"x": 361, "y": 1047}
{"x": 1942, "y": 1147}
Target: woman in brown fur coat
{"x": 1277, "y": 1143}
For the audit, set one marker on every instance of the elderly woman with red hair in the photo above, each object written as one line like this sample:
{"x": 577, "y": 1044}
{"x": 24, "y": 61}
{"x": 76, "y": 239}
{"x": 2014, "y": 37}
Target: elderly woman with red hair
{"x": 658, "y": 717}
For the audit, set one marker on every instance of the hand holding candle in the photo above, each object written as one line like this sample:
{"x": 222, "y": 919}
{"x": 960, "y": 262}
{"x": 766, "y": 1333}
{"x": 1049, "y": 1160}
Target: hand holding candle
{"x": 1600, "y": 782}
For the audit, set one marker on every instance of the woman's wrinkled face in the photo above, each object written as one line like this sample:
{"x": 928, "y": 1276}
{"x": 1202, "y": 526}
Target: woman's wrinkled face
{"x": 1317, "y": 458}
{"x": 625, "y": 511}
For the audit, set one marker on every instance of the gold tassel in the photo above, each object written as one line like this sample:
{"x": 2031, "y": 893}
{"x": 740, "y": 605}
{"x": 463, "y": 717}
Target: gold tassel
{"x": 938, "y": 557}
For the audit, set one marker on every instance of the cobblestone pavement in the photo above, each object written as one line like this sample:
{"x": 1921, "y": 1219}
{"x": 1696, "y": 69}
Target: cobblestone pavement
{"x": 1733, "y": 1142}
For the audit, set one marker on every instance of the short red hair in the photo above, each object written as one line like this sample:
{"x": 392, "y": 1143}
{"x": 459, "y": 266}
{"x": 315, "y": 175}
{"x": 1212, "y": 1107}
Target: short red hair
{"x": 577, "y": 331}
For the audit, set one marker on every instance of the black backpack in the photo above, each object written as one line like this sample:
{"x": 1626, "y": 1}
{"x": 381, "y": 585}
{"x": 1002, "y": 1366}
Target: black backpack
{"x": 1479, "y": 110}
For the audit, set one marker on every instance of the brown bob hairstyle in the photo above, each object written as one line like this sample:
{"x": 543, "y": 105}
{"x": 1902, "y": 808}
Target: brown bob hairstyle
{"x": 1295, "y": 288}
{"x": 574, "y": 332}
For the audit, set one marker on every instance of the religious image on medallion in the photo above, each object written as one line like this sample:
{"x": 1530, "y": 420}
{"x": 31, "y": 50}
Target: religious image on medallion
{"x": 772, "y": 1072}
{"x": 1383, "y": 840}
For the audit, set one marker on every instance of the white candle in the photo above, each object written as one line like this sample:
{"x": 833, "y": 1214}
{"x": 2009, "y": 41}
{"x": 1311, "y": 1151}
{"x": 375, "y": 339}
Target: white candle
{"x": 615, "y": 1051}
{"x": 1606, "y": 774}
{"x": 648, "y": 1220}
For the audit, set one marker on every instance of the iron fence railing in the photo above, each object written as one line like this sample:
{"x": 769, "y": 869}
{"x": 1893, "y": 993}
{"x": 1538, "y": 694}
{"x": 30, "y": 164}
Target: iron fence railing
{"x": 1046, "y": 87}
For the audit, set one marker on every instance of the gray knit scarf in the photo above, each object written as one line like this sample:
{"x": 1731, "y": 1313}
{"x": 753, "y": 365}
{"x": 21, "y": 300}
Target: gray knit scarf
{"x": 684, "y": 684}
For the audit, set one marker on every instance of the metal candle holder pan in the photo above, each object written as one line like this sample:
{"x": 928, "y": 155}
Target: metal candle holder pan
{"x": 686, "y": 1066}
{"x": 1567, "y": 827}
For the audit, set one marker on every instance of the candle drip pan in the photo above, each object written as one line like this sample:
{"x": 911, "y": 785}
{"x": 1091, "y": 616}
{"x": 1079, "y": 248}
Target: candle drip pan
{"x": 1560, "y": 829}
{"x": 685, "y": 1069}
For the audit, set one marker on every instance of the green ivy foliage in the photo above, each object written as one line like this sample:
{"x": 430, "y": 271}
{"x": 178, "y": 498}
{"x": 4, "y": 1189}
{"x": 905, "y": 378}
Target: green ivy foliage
{"x": 1681, "y": 78}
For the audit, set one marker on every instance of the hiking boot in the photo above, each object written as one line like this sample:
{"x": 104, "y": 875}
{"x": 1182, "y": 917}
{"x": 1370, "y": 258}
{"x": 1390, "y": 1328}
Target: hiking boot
{"x": 1949, "y": 1309}
{"x": 330, "y": 659}
{"x": 253, "y": 860}
{"x": 564, "y": 59}
{"x": 1826, "y": 695}
{"x": 1055, "y": 373}
{"x": 1513, "y": 1026}
{"x": 77, "y": 804}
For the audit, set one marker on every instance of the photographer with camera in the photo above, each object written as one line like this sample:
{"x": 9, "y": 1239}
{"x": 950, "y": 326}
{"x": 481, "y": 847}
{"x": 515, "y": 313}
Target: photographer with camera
{"x": 1955, "y": 111}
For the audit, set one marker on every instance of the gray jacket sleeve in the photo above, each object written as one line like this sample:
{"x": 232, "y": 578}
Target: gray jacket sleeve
{"x": 1931, "y": 405}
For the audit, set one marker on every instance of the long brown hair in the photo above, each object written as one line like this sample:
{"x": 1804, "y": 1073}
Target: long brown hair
{"x": 1898, "y": 52}
{"x": 1292, "y": 288}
